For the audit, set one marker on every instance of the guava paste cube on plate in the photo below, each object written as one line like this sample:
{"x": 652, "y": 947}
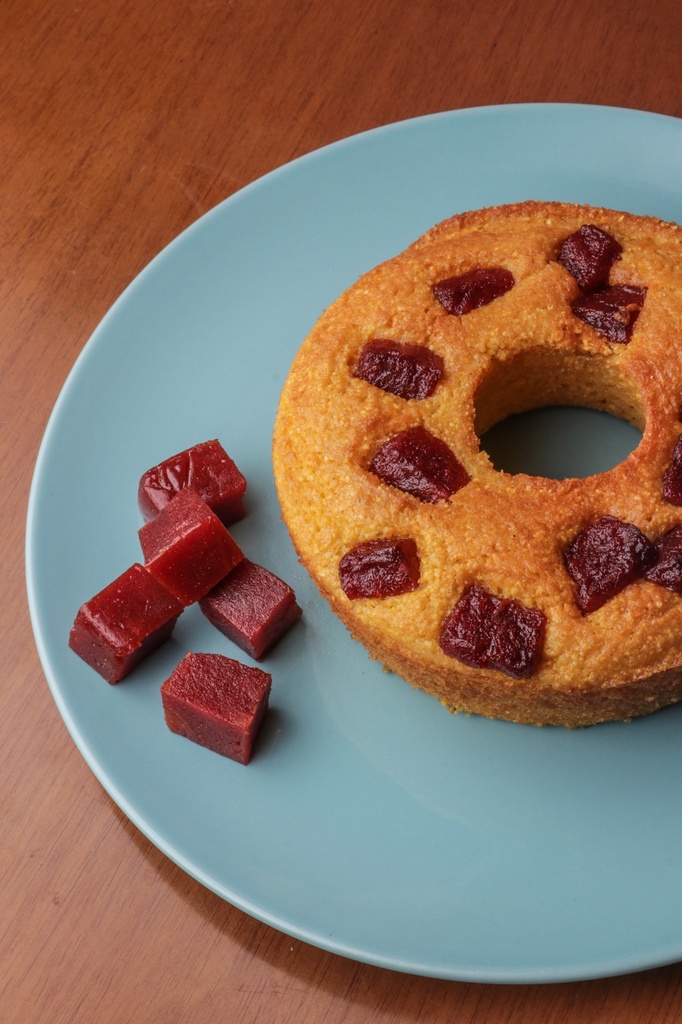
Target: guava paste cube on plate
{"x": 421, "y": 464}
{"x": 486, "y": 631}
{"x": 124, "y": 623}
{"x": 217, "y": 702}
{"x": 252, "y": 607}
{"x": 463, "y": 293}
{"x": 385, "y": 567}
{"x": 588, "y": 254}
{"x": 187, "y": 548}
{"x": 604, "y": 558}
{"x": 208, "y": 469}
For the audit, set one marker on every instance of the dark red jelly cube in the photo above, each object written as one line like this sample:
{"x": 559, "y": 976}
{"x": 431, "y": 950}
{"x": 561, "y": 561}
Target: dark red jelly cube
{"x": 667, "y": 569}
{"x": 208, "y": 469}
{"x": 672, "y": 478}
{"x": 187, "y": 548}
{"x": 217, "y": 702}
{"x": 408, "y": 371}
{"x": 588, "y": 254}
{"x": 252, "y": 607}
{"x": 460, "y": 294}
{"x": 604, "y": 558}
{"x": 125, "y": 622}
{"x": 384, "y": 567}
{"x": 421, "y": 464}
{"x": 612, "y": 312}
{"x": 485, "y": 631}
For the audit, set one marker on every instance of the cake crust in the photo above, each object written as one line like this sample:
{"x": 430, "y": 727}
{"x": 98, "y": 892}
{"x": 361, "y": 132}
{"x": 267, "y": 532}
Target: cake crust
{"x": 506, "y": 533}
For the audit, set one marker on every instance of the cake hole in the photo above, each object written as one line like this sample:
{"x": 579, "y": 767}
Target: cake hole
{"x": 557, "y": 414}
{"x": 560, "y": 443}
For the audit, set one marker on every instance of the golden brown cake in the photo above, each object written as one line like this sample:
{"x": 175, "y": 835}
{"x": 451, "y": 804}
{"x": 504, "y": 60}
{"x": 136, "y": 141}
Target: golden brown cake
{"x": 512, "y": 596}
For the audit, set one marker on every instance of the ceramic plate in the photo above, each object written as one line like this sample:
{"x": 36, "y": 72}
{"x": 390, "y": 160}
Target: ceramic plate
{"x": 370, "y": 822}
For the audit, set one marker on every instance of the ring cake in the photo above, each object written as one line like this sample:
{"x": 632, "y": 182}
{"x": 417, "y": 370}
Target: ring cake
{"x": 512, "y": 596}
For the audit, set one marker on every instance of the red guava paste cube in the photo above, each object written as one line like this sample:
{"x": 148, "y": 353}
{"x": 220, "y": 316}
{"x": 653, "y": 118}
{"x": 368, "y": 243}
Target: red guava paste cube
{"x": 419, "y": 463}
{"x": 252, "y": 607}
{"x": 187, "y": 548}
{"x": 208, "y": 469}
{"x": 217, "y": 702}
{"x": 604, "y": 558}
{"x": 124, "y": 623}
{"x": 485, "y": 631}
{"x": 385, "y": 567}
{"x": 460, "y": 294}
{"x": 408, "y": 371}
{"x": 667, "y": 569}
{"x": 612, "y": 312}
{"x": 672, "y": 478}
{"x": 588, "y": 254}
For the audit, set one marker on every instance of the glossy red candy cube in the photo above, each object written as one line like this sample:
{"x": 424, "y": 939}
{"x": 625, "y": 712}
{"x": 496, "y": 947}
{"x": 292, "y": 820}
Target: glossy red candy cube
{"x": 612, "y": 312}
{"x": 217, "y": 702}
{"x": 252, "y": 607}
{"x": 485, "y": 631}
{"x": 588, "y": 254}
{"x": 208, "y": 469}
{"x": 187, "y": 548}
{"x": 604, "y": 558}
{"x": 421, "y": 464}
{"x": 408, "y": 371}
{"x": 124, "y": 623}
{"x": 385, "y": 567}
{"x": 475, "y": 288}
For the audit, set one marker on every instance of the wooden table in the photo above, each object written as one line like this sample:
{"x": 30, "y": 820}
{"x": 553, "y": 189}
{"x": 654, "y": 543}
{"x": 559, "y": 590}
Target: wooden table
{"x": 120, "y": 124}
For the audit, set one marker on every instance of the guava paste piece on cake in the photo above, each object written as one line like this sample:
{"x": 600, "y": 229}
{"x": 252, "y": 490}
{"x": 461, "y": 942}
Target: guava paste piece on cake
{"x": 208, "y": 469}
{"x": 187, "y": 548}
{"x": 604, "y": 558}
{"x": 124, "y": 623}
{"x": 612, "y": 312}
{"x": 588, "y": 255}
{"x": 667, "y": 569}
{"x": 421, "y": 464}
{"x": 252, "y": 607}
{"x": 485, "y": 631}
{"x": 465, "y": 292}
{"x": 408, "y": 371}
{"x": 672, "y": 478}
{"x": 217, "y": 702}
{"x": 385, "y": 567}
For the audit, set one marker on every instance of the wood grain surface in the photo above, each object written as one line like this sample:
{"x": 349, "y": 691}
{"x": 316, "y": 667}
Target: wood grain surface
{"x": 121, "y": 122}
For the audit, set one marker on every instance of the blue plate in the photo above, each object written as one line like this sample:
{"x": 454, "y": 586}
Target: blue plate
{"x": 370, "y": 822}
